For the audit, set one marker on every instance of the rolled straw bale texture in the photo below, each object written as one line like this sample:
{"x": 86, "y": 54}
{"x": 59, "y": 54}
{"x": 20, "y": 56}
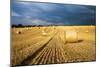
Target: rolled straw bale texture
{"x": 71, "y": 36}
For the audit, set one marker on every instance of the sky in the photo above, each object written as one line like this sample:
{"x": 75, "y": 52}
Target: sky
{"x": 36, "y": 13}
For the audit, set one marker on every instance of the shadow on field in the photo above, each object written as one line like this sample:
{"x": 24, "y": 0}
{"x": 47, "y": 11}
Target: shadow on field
{"x": 79, "y": 41}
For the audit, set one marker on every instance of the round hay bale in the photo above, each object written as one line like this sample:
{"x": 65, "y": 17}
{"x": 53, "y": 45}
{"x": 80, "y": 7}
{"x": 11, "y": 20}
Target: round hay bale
{"x": 54, "y": 27}
{"x": 44, "y": 33}
{"x": 27, "y": 28}
{"x": 71, "y": 36}
{"x": 87, "y": 31}
{"x": 18, "y": 32}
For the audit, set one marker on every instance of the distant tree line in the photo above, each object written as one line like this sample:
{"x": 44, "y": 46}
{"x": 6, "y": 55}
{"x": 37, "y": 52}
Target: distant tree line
{"x": 20, "y": 25}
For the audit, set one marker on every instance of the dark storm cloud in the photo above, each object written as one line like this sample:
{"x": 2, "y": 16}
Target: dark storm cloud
{"x": 47, "y": 13}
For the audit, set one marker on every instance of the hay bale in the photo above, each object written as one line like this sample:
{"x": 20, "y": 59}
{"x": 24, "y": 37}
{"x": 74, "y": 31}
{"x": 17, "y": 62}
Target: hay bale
{"x": 71, "y": 36}
{"x": 44, "y": 33}
{"x": 86, "y": 31}
{"x": 27, "y": 28}
{"x": 54, "y": 27}
{"x": 18, "y": 32}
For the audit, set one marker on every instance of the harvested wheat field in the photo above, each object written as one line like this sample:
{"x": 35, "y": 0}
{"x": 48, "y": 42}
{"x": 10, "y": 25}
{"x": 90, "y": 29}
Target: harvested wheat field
{"x": 53, "y": 44}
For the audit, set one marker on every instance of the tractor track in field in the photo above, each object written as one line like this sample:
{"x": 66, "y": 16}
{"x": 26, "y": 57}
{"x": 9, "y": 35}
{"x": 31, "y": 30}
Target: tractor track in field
{"x": 49, "y": 53}
{"x": 29, "y": 59}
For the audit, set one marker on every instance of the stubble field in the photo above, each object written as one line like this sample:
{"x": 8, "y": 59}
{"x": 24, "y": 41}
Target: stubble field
{"x": 52, "y": 44}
